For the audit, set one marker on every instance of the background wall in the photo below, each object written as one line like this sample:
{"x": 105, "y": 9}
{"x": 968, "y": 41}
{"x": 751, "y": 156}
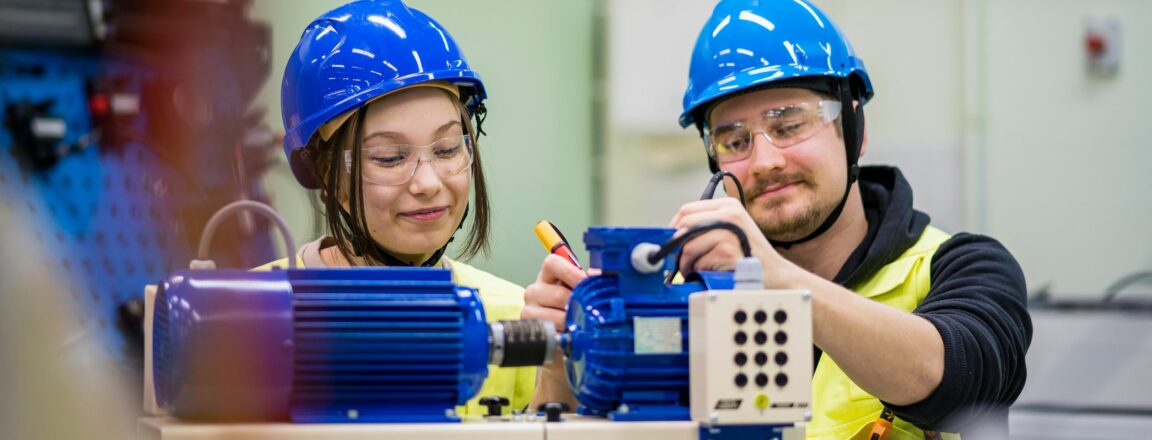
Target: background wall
{"x": 537, "y": 61}
{"x": 1066, "y": 154}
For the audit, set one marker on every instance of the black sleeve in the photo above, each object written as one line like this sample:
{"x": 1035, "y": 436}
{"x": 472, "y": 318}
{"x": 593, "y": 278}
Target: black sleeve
{"x": 978, "y": 303}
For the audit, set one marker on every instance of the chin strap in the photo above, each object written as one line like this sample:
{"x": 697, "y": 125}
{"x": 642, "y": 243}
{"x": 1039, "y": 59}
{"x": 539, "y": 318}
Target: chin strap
{"x": 852, "y": 120}
{"x": 853, "y": 173}
{"x": 481, "y": 115}
{"x": 391, "y": 260}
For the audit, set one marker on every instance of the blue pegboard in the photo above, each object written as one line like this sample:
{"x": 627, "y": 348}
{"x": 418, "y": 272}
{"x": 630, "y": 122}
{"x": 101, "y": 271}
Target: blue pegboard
{"x": 117, "y": 217}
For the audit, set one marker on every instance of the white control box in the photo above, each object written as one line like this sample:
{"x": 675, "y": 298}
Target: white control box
{"x": 750, "y": 356}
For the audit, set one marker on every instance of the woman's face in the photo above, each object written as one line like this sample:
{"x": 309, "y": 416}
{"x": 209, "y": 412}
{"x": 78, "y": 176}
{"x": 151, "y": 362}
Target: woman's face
{"x": 414, "y": 218}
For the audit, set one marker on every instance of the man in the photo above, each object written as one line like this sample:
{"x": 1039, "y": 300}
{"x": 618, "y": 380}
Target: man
{"x": 907, "y": 318}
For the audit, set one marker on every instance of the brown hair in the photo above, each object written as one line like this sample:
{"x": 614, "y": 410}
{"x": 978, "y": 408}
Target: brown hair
{"x": 349, "y": 228}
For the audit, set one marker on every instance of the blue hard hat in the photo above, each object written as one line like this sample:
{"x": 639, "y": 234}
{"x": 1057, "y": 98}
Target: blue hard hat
{"x": 357, "y": 52}
{"x": 750, "y": 44}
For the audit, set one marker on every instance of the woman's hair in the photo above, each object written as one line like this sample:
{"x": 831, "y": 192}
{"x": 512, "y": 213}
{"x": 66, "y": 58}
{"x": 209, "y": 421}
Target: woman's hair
{"x": 350, "y": 229}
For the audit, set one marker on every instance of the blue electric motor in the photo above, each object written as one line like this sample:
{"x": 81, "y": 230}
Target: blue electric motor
{"x": 318, "y": 345}
{"x": 627, "y": 341}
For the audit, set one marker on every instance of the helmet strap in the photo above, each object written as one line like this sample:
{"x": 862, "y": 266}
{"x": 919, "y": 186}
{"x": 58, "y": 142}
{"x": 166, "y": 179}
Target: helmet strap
{"x": 387, "y": 257}
{"x": 481, "y": 113}
{"x": 852, "y": 121}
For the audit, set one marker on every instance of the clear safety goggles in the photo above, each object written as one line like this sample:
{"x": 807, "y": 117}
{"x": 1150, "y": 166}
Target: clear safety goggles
{"x": 396, "y": 164}
{"x": 783, "y": 127}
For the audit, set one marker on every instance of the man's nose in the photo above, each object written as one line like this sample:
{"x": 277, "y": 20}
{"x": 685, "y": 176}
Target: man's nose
{"x": 765, "y": 155}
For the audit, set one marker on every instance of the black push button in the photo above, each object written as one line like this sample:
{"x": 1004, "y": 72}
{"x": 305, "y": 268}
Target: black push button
{"x": 781, "y": 337}
{"x": 761, "y": 380}
{"x": 780, "y": 316}
{"x": 761, "y": 359}
{"x": 760, "y": 317}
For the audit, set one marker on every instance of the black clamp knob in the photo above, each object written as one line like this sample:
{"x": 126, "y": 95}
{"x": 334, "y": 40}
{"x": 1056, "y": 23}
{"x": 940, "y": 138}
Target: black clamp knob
{"x": 37, "y": 133}
{"x": 494, "y": 404}
{"x": 552, "y": 410}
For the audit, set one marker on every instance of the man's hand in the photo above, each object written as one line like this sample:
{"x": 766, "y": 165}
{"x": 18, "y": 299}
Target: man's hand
{"x": 893, "y": 355}
{"x": 719, "y": 250}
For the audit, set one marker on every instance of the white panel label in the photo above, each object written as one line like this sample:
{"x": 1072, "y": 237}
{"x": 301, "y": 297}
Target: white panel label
{"x": 657, "y": 335}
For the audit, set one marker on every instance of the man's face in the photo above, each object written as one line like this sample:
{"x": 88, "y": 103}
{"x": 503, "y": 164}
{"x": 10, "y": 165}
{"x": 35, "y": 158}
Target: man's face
{"x": 789, "y": 191}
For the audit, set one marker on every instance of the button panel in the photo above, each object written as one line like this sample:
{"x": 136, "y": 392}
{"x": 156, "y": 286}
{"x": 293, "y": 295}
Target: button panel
{"x": 750, "y": 346}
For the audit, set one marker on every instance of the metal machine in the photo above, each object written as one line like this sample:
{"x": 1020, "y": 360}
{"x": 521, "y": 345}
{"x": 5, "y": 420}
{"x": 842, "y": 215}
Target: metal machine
{"x": 383, "y": 345}
{"x": 712, "y": 357}
{"x": 325, "y": 345}
{"x": 642, "y": 349}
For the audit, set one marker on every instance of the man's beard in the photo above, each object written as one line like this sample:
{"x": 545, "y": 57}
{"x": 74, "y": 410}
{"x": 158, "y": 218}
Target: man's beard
{"x": 795, "y": 226}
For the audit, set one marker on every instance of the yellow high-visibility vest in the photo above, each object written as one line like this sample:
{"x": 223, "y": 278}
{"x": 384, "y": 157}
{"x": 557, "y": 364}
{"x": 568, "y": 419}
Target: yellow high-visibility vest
{"x": 841, "y": 410}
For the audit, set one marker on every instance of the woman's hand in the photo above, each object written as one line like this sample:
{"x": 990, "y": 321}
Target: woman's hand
{"x": 547, "y": 299}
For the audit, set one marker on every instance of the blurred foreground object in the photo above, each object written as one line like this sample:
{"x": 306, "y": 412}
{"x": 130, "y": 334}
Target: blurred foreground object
{"x": 56, "y": 381}
{"x": 123, "y": 125}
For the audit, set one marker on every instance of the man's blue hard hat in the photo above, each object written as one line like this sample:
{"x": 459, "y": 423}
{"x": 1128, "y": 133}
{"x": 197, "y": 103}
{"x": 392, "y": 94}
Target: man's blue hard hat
{"x": 751, "y": 44}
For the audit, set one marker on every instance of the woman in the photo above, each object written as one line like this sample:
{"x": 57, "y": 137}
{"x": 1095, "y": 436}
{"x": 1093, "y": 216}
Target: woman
{"x": 378, "y": 103}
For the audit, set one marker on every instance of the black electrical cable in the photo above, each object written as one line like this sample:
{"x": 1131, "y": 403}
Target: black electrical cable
{"x": 693, "y": 232}
{"x": 710, "y": 189}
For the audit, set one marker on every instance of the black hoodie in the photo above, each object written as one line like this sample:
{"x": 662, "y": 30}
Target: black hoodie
{"x": 977, "y": 301}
